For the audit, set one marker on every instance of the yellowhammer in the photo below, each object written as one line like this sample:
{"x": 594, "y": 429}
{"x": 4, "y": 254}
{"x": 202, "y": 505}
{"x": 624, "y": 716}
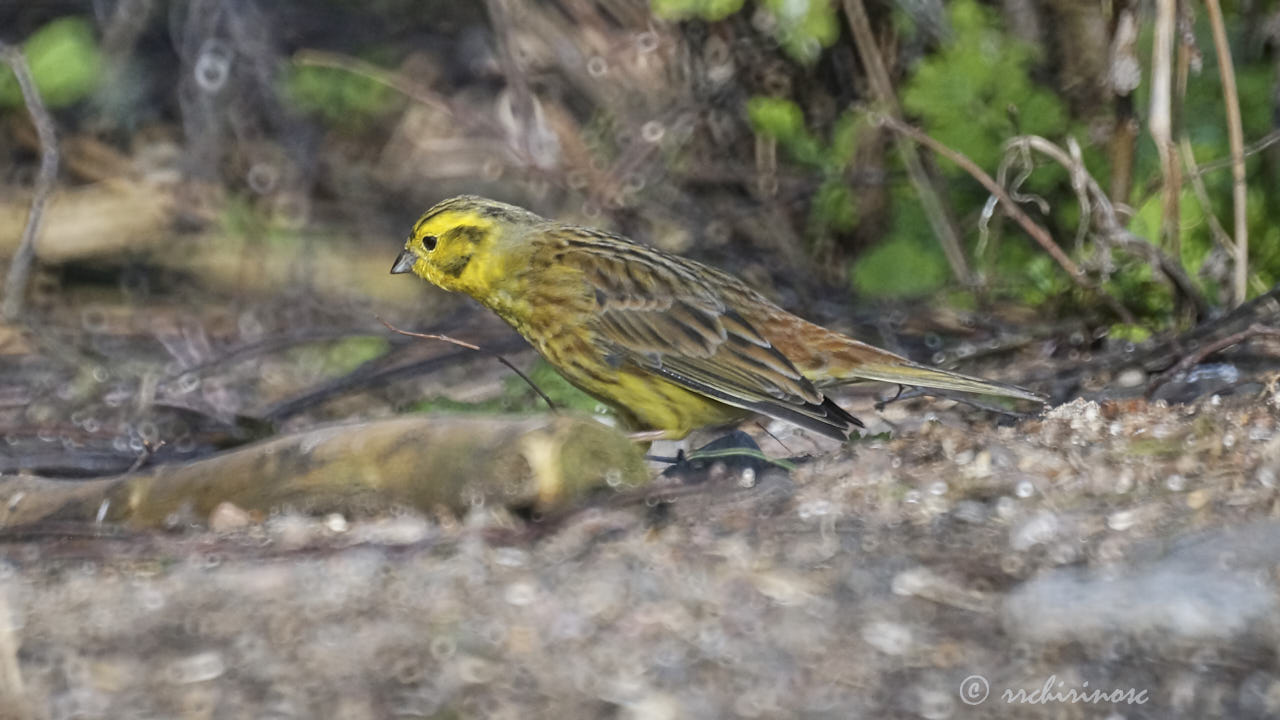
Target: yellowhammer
{"x": 671, "y": 344}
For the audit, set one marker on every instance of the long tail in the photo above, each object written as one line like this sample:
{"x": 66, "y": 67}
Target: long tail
{"x": 829, "y": 358}
{"x": 906, "y": 372}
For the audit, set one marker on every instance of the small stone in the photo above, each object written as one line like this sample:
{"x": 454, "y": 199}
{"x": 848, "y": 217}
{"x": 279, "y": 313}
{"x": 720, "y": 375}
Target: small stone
{"x": 336, "y": 522}
{"x": 1131, "y": 377}
{"x": 1197, "y": 499}
{"x": 227, "y": 517}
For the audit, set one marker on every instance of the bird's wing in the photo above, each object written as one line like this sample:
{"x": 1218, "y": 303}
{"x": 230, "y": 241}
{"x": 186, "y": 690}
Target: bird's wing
{"x": 661, "y": 313}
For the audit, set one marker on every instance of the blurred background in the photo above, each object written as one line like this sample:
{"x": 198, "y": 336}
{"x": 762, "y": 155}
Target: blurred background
{"x": 200, "y": 202}
{"x": 234, "y": 179}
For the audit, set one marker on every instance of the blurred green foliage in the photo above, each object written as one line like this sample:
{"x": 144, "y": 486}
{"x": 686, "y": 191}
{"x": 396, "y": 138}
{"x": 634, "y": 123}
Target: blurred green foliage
{"x": 972, "y": 94}
{"x": 351, "y": 353}
{"x": 802, "y": 27}
{"x": 834, "y": 207}
{"x": 976, "y": 91}
{"x": 65, "y": 63}
{"x": 338, "y": 97}
{"x": 709, "y": 10}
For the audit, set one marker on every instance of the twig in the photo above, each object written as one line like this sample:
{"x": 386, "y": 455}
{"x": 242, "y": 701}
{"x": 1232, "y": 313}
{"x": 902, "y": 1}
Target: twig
{"x": 1202, "y": 194}
{"x": 1160, "y": 122}
{"x": 930, "y": 200}
{"x": 1197, "y": 357}
{"x": 15, "y": 286}
{"x": 390, "y": 78}
{"x": 1039, "y": 234}
{"x": 1125, "y": 73}
{"x": 149, "y": 451}
{"x": 1235, "y": 137}
{"x": 1097, "y": 209}
{"x": 477, "y": 348}
{"x": 1253, "y": 148}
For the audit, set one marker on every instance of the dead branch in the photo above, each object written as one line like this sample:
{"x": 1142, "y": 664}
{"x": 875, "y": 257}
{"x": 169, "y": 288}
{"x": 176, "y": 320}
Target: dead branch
{"x": 1191, "y": 360}
{"x": 424, "y": 462}
{"x": 15, "y": 286}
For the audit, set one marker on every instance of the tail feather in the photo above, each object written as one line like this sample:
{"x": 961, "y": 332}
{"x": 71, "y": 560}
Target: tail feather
{"x": 909, "y": 373}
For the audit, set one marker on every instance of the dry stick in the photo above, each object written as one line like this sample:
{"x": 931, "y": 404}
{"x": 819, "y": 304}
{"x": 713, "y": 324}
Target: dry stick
{"x": 1218, "y": 232}
{"x": 882, "y": 86}
{"x": 1254, "y": 148}
{"x": 1197, "y": 357}
{"x": 15, "y": 286}
{"x": 1160, "y": 121}
{"x": 477, "y": 348}
{"x": 1039, "y": 234}
{"x": 1235, "y": 136}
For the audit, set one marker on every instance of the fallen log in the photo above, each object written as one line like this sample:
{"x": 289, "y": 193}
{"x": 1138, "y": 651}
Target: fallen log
{"x": 423, "y": 462}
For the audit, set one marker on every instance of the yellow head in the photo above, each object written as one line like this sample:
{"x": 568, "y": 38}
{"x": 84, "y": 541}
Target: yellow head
{"x": 461, "y": 243}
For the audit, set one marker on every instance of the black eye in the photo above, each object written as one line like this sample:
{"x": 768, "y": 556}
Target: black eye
{"x": 429, "y": 242}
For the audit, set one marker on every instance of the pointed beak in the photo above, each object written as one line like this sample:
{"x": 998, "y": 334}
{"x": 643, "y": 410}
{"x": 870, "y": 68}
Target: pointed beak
{"x": 404, "y": 262}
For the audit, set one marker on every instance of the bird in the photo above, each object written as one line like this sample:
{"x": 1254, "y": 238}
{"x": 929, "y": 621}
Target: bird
{"x": 670, "y": 344}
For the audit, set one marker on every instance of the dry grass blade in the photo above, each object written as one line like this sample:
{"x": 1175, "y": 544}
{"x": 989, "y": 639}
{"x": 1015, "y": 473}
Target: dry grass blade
{"x": 15, "y": 285}
{"x": 1235, "y": 136}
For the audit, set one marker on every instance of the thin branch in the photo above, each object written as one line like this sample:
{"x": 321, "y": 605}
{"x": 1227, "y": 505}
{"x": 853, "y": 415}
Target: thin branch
{"x": 1235, "y": 136}
{"x": 1037, "y": 233}
{"x": 1097, "y": 209}
{"x": 15, "y": 286}
{"x": 930, "y": 200}
{"x": 1197, "y": 357}
{"x": 390, "y": 78}
{"x": 1253, "y": 148}
{"x": 477, "y": 348}
{"x": 1194, "y": 171}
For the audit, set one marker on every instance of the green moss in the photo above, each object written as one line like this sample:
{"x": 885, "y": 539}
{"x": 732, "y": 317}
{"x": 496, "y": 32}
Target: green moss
{"x": 340, "y": 98}
{"x": 899, "y": 268}
{"x": 711, "y": 10}
{"x": 803, "y": 27}
{"x": 976, "y": 91}
{"x": 1131, "y": 333}
{"x": 784, "y": 121}
{"x": 65, "y": 64}
{"x": 350, "y": 353}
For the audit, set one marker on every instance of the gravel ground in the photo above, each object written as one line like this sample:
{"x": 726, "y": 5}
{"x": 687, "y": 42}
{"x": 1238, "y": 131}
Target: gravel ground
{"x": 1111, "y": 561}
